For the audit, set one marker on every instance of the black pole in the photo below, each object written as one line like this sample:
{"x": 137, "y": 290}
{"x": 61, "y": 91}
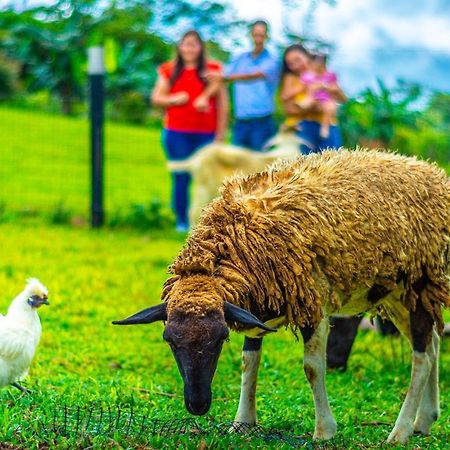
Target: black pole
{"x": 96, "y": 76}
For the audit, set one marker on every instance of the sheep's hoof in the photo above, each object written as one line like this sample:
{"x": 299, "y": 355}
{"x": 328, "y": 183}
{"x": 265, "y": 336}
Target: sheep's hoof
{"x": 424, "y": 422}
{"x": 325, "y": 430}
{"x": 241, "y": 427}
{"x": 400, "y": 435}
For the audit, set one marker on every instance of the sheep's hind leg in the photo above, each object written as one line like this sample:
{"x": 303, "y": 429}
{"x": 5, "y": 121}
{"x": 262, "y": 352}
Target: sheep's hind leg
{"x": 421, "y": 325}
{"x": 251, "y": 357}
{"x": 429, "y": 410}
{"x": 314, "y": 365}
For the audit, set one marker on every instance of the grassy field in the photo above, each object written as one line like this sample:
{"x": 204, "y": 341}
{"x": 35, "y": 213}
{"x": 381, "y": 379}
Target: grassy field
{"x": 44, "y": 160}
{"x": 98, "y": 276}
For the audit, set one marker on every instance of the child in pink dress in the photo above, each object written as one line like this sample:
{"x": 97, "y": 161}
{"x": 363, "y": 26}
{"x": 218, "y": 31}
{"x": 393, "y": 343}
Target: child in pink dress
{"x": 317, "y": 80}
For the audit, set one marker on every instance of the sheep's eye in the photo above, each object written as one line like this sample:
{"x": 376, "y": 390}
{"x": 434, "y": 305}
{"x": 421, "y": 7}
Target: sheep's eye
{"x": 172, "y": 344}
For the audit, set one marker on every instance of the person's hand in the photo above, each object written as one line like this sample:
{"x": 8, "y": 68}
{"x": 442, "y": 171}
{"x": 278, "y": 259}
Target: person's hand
{"x": 316, "y": 87}
{"x": 179, "y": 98}
{"x": 201, "y": 104}
{"x": 213, "y": 75}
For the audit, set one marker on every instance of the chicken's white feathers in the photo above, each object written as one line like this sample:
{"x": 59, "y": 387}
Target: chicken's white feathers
{"x": 35, "y": 287}
{"x": 20, "y": 331}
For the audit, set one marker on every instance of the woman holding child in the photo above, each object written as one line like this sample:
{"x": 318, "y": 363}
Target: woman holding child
{"x": 310, "y": 94}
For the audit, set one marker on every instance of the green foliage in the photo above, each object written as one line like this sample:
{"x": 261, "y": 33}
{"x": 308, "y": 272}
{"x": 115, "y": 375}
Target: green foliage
{"x": 426, "y": 142}
{"x": 206, "y": 17}
{"x": 98, "y": 276}
{"x": 50, "y": 42}
{"x": 438, "y": 110}
{"x": 388, "y": 118}
{"x": 9, "y": 77}
{"x": 61, "y": 215}
{"x": 154, "y": 216}
{"x": 42, "y": 100}
{"x": 130, "y": 107}
{"x": 374, "y": 115}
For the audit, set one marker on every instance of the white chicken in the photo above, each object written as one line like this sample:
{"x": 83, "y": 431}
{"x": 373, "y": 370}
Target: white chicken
{"x": 20, "y": 331}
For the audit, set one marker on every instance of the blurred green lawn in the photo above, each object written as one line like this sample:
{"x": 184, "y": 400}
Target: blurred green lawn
{"x": 97, "y": 276}
{"x": 44, "y": 160}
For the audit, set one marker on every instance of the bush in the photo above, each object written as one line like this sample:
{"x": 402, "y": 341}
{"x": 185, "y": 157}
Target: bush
{"x": 153, "y": 216}
{"x": 427, "y": 143}
{"x": 9, "y": 78}
{"x": 61, "y": 215}
{"x": 130, "y": 107}
{"x": 36, "y": 101}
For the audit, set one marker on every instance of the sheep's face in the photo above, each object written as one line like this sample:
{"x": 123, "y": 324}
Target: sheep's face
{"x": 196, "y": 343}
{"x": 197, "y": 321}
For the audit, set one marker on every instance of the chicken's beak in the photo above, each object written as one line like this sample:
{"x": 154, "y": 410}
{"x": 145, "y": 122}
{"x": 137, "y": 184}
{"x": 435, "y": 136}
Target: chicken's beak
{"x": 35, "y": 301}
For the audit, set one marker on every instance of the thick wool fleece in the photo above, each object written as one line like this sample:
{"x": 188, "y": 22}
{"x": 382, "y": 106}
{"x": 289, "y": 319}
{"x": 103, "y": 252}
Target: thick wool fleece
{"x": 342, "y": 219}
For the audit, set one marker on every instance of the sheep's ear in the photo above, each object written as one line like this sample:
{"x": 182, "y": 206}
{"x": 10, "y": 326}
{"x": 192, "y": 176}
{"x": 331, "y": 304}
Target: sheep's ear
{"x": 242, "y": 317}
{"x": 149, "y": 315}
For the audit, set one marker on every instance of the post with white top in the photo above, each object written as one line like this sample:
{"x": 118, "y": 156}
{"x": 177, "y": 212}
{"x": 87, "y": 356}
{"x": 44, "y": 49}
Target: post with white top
{"x": 96, "y": 72}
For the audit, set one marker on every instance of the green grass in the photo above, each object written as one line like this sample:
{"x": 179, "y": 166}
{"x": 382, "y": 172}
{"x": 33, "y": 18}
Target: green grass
{"x": 97, "y": 276}
{"x": 44, "y": 159}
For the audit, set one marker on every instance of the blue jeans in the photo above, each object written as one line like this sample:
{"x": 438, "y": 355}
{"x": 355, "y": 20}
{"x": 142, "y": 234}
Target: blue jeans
{"x": 253, "y": 133}
{"x": 309, "y": 131}
{"x": 180, "y": 145}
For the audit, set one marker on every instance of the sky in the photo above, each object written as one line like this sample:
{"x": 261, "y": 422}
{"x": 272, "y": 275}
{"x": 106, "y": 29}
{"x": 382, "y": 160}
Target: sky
{"x": 389, "y": 39}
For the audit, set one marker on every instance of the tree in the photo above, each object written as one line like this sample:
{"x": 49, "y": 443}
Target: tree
{"x": 9, "y": 77}
{"x": 371, "y": 118}
{"x": 50, "y": 42}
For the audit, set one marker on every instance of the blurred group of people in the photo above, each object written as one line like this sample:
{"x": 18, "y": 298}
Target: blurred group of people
{"x": 193, "y": 91}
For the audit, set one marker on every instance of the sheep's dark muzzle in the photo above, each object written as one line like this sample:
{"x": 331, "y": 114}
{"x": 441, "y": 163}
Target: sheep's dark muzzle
{"x": 197, "y": 403}
{"x": 197, "y": 377}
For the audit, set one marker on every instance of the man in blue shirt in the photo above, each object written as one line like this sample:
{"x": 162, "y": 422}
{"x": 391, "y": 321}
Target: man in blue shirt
{"x": 255, "y": 77}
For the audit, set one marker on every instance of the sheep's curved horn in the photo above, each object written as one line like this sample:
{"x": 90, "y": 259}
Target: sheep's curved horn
{"x": 235, "y": 314}
{"x": 148, "y": 315}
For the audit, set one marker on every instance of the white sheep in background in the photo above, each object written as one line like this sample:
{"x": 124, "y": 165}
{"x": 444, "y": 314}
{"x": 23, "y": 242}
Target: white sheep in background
{"x": 215, "y": 162}
{"x": 338, "y": 233}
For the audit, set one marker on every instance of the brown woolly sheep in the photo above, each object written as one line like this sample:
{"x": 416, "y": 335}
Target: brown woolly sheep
{"x": 213, "y": 163}
{"x": 337, "y": 233}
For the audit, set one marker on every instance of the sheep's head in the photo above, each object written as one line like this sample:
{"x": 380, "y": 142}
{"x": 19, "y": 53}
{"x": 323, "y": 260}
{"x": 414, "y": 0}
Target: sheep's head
{"x": 197, "y": 321}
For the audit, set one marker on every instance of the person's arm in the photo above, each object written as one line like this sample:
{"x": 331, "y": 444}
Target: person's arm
{"x": 337, "y": 93}
{"x": 268, "y": 70}
{"x": 244, "y": 76}
{"x": 201, "y": 103}
{"x": 333, "y": 88}
{"x": 222, "y": 113}
{"x": 162, "y": 97}
{"x": 289, "y": 89}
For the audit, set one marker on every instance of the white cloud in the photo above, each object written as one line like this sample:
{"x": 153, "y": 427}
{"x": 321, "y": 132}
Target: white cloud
{"x": 427, "y": 32}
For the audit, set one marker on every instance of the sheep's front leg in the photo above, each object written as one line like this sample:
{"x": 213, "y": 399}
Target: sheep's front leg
{"x": 251, "y": 357}
{"x": 314, "y": 365}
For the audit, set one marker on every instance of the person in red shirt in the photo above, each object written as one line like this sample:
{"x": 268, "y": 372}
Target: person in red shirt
{"x": 196, "y": 112}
